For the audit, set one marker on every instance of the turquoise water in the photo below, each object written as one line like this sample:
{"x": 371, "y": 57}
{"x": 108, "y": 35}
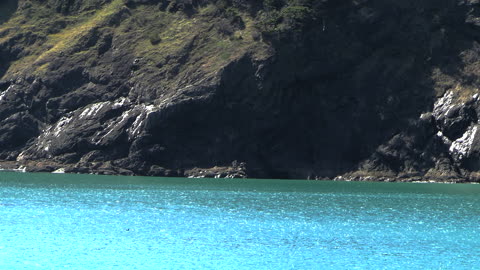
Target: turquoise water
{"x": 102, "y": 222}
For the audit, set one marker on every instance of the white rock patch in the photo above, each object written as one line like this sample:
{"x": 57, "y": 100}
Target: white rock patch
{"x": 445, "y": 140}
{"x": 92, "y": 109}
{"x": 145, "y": 111}
{"x": 61, "y": 170}
{"x": 443, "y": 105}
{"x": 21, "y": 156}
{"x": 4, "y": 93}
{"x": 120, "y": 102}
{"x": 461, "y": 147}
{"x": 114, "y": 124}
{"x": 60, "y": 126}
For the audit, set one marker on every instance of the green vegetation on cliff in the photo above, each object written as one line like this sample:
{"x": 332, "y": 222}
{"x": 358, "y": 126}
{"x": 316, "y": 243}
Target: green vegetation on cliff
{"x": 155, "y": 29}
{"x": 154, "y": 32}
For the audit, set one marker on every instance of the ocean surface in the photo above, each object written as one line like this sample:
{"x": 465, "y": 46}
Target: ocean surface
{"x": 50, "y": 221}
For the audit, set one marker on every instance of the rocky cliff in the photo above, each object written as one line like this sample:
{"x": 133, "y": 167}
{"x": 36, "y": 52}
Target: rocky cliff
{"x": 347, "y": 89}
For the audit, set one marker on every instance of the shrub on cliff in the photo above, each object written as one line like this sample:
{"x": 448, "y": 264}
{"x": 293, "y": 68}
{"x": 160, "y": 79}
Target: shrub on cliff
{"x": 296, "y": 17}
{"x": 279, "y": 18}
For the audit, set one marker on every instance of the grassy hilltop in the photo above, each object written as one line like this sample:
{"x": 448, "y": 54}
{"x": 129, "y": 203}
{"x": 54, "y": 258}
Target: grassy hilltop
{"x": 155, "y": 30}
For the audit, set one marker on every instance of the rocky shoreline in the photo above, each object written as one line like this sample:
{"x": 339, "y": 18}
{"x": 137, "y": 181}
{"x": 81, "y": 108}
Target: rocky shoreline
{"x": 216, "y": 172}
{"x": 377, "y": 90}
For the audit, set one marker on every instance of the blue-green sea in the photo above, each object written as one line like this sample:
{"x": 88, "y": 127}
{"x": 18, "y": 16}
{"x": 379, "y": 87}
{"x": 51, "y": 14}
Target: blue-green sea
{"x": 50, "y": 221}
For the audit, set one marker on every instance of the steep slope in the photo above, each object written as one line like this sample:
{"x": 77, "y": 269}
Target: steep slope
{"x": 376, "y": 90}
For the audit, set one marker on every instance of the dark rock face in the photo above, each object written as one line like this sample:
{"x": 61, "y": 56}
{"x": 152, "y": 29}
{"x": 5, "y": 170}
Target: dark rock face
{"x": 367, "y": 90}
{"x": 440, "y": 146}
{"x": 7, "y": 8}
